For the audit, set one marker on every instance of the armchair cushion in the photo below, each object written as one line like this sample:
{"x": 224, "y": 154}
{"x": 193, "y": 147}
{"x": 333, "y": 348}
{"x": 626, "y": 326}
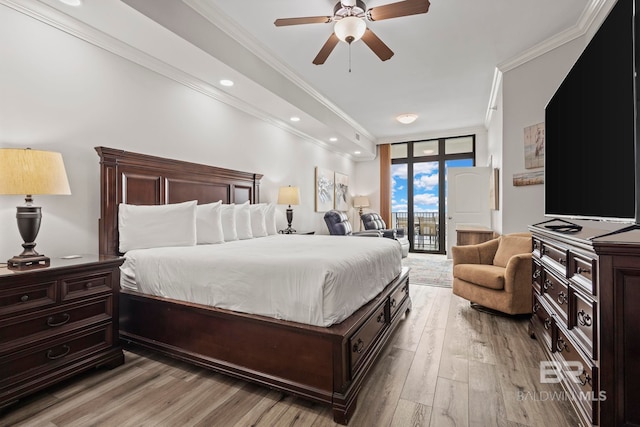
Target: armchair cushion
{"x": 487, "y": 276}
{"x": 510, "y": 246}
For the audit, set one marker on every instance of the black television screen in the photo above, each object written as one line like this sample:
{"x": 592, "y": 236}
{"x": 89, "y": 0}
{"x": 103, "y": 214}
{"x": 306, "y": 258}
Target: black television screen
{"x": 590, "y": 122}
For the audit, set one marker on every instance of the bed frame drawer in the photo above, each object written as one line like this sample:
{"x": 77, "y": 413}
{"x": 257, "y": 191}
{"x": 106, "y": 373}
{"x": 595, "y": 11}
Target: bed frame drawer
{"x": 360, "y": 342}
{"x": 397, "y": 298}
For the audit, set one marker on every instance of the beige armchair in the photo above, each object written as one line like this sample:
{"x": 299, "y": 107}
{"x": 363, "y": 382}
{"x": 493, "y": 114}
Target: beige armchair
{"x": 495, "y": 274}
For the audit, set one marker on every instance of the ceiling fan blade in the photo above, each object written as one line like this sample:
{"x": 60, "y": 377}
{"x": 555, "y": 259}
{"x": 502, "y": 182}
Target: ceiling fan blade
{"x": 395, "y": 10}
{"x": 306, "y": 20}
{"x": 376, "y": 45}
{"x": 326, "y": 50}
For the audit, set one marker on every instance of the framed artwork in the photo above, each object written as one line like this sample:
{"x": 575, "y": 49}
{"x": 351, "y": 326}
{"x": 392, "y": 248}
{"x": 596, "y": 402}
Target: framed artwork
{"x": 528, "y": 178}
{"x": 534, "y": 146}
{"x": 324, "y": 189}
{"x": 341, "y": 185}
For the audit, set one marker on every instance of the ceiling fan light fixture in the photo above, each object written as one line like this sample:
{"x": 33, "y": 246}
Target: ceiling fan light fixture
{"x": 350, "y": 29}
{"x": 407, "y": 118}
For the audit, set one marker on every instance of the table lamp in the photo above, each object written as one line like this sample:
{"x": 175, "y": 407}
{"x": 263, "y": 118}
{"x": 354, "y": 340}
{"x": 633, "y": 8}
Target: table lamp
{"x": 289, "y": 196}
{"x": 360, "y": 202}
{"x": 29, "y": 172}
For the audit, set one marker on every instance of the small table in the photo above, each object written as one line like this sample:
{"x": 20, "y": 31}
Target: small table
{"x": 473, "y": 234}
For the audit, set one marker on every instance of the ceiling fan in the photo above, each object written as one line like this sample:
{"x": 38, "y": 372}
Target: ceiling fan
{"x": 349, "y": 17}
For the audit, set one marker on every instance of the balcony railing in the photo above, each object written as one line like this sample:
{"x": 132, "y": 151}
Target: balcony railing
{"x": 425, "y": 228}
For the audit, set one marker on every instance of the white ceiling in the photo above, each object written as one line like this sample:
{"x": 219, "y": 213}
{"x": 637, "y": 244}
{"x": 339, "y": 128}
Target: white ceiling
{"x": 444, "y": 67}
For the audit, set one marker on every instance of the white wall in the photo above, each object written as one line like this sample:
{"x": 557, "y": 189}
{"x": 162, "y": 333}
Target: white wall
{"x": 60, "y": 93}
{"x": 525, "y": 92}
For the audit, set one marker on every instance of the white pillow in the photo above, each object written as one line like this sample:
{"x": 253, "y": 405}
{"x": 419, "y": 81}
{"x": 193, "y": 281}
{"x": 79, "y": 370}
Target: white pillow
{"x": 243, "y": 221}
{"x": 228, "y": 219}
{"x": 154, "y": 226}
{"x": 270, "y": 219}
{"x": 258, "y": 223}
{"x": 209, "y": 223}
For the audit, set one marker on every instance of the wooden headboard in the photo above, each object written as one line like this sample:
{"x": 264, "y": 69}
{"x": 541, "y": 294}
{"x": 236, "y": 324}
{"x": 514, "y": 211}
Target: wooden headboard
{"x": 140, "y": 179}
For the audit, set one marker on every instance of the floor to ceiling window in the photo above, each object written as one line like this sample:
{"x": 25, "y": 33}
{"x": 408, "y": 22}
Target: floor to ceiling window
{"x": 418, "y": 194}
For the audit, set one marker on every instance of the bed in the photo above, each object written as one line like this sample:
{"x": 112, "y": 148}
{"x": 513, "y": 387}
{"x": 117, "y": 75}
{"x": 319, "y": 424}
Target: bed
{"x": 319, "y": 363}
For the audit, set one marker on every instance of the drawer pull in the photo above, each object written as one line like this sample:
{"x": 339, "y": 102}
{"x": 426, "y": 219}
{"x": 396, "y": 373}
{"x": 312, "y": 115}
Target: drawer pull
{"x": 380, "y": 318}
{"x": 24, "y": 298}
{"x": 562, "y": 261}
{"x": 536, "y": 307}
{"x": 543, "y": 251}
{"x": 548, "y": 284}
{"x": 65, "y": 350}
{"x": 562, "y": 298}
{"x": 50, "y": 320}
{"x": 584, "y": 319}
{"x": 585, "y": 378}
{"x": 561, "y": 345}
{"x": 536, "y": 274}
{"x": 581, "y": 270}
{"x": 358, "y": 347}
{"x": 394, "y": 303}
{"x": 547, "y": 323}
{"x": 89, "y": 285}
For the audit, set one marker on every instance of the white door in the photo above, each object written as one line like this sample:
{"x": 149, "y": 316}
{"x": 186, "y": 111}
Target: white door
{"x": 467, "y": 200}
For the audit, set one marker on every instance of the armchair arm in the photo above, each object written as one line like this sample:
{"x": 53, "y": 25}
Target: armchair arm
{"x": 367, "y": 233}
{"x": 517, "y": 275}
{"x": 400, "y": 232}
{"x": 391, "y": 234}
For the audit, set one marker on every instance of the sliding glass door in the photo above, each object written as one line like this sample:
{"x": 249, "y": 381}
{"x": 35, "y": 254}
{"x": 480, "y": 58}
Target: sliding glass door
{"x": 418, "y": 172}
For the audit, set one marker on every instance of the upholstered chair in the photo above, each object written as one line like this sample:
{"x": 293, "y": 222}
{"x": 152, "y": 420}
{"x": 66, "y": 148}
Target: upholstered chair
{"x": 339, "y": 225}
{"x": 495, "y": 274}
{"x": 373, "y": 221}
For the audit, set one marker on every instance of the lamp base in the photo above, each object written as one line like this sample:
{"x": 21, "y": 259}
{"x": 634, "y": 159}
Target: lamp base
{"x": 288, "y": 230}
{"x": 20, "y": 262}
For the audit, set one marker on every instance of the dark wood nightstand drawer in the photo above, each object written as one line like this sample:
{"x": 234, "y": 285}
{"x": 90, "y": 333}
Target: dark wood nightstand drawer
{"x": 360, "y": 341}
{"x": 30, "y": 296}
{"x": 85, "y": 285}
{"x": 46, "y": 323}
{"x": 49, "y": 354}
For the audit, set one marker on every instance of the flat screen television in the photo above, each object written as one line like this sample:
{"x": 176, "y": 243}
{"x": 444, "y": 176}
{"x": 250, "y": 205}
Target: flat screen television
{"x": 591, "y": 152}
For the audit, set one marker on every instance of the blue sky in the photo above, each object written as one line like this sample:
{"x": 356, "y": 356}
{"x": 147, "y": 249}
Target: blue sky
{"x": 425, "y": 185}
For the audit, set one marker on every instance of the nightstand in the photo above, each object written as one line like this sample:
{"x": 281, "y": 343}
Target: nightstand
{"x": 56, "y": 322}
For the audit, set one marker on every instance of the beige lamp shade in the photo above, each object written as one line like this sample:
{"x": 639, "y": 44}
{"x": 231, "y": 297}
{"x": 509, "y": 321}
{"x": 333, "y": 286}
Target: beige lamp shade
{"x": 361, "y": 202}
{"x": 289, "y": 196}
{"x": 28, "y": 172}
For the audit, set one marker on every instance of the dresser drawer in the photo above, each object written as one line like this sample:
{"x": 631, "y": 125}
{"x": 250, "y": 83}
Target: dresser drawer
{"x": 85, "y": 285}
{"x": 582, "y": 375}
{"x": 15, "y": 299}
{"x": 360, "y": 341}
{"x": 544, "y": 323}
{"x": 47, "y": 323}
{"x": 555, "y": 256}
{"x": 556, "y": 293}
{"x": 582, "y": 321}
{"x": 536, "y": 276}
{"x": 51, "y": 354}
{"x": 397, "y": 298}
{"x": 582, "y": 270}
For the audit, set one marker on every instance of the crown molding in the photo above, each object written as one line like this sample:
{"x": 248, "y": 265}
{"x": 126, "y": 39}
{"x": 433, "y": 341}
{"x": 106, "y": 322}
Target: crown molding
{"x": 89, "y": 34}
{"x": 225, "y": 23}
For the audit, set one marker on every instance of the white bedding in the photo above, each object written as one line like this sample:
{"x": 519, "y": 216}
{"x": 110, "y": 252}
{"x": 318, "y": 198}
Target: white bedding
{"x": 317, "y": 280}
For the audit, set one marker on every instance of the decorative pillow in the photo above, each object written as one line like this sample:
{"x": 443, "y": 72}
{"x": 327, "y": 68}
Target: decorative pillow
{"x": 270, "y": 219}
{"x": 243, "y": 221}
{"x": 209, "y": 223}
{"x": 258, "y": 220}
{"x": 154, "y": 226}
{"x": 228, "y": 219}
{"x": 510, "y": 246}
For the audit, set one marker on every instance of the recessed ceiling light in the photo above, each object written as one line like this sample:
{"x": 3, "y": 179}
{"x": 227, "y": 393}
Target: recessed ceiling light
{"x": 407, "y": 118}
{"x": 226, "y": 82}
{"x": 333, "y": 139}
{"x": 72, "y": 2}
{"x": 356, "y": 152}
{"x": 295, "y": 119}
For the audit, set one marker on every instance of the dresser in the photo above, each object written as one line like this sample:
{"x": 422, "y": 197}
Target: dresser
{"x": 586, "y": 316}
{"x": 56, "y": 322}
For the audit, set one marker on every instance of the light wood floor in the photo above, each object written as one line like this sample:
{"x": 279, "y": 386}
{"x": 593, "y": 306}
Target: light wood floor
{"x": 448, "y": 365}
